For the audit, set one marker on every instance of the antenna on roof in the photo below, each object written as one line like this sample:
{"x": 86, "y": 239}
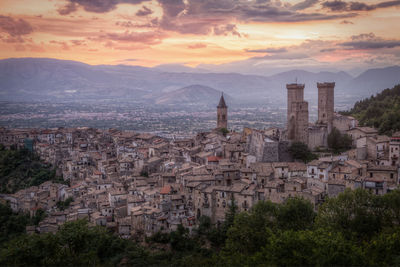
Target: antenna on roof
{"x": 296, "y": 80}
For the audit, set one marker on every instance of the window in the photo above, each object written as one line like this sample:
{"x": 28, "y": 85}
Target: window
{"x": 334, "y": 175}
{"x": 391, "y": 175}
{"x": 371, "y": 174}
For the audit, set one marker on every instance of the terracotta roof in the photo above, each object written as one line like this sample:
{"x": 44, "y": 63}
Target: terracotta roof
{"x": 165, "y": 190}
{"x": 213, "y": 159}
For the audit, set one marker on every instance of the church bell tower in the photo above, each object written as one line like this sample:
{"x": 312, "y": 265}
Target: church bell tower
{"x": 222, "y": 114}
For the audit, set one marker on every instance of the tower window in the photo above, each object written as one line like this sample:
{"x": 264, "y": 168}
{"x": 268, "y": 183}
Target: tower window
{"x": 223, "y": 117}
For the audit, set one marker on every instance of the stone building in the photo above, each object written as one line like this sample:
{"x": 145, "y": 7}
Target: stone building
{"x": 326, "y": 104}
{"x": 222, "y": 114}
{"x": 297, "y": 114}
{"x": 394, "y": 149}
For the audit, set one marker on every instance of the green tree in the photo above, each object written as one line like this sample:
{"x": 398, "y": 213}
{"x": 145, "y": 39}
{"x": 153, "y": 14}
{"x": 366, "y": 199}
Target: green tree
{"x": 11, "y": 224}
{"x": 354, "y": 213}
{"x": 224, "y": 131}
{"x": 296, "y": 214}
{"x": 308, "y": 248}
{"x": 248, "y": 233}
{"x": 62, "y": 205}
{"x": 300, "y": 151}
{"x": 380, "y": 111}
{"x": 339, "y": 142}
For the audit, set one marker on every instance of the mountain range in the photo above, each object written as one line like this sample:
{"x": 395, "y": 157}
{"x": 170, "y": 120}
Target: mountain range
{"x": 192, "y": 94}
{"x": 35, "y": 79}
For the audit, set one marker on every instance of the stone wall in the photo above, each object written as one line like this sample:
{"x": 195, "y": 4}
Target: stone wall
{"x": 271, "y": 152}
{"x": 317, "y": 136}
{"x": 344, "y": 123}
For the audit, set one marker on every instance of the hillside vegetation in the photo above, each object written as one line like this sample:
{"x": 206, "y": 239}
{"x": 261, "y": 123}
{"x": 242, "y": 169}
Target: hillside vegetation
{"x": 20, "y": 169}
{"x": 381, "y": 111}
{"x": 357, "y": 228}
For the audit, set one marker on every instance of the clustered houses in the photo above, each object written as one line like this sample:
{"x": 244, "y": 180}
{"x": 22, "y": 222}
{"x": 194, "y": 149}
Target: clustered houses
{"x": 138, "y": 184}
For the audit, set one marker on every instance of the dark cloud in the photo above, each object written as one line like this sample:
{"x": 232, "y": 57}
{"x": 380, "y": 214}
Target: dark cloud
{"x": 127, "y": 24}
{"x": 96, "y": 6}
{"x": 148, "y": 38}
{"x": 67, "y": 9}
{"x": 372, "y": 44}
{"x": 15, "y": 27}
{"x": 172, "y": 8}
{"x": 78, "y": 42}
{"x": 144, "y": 11}
{"x": 226, "y": 29}
{"x": 218, "y": 16}
{"x": 279, "y": 13}
{"x": 327, "y": 50}
{"x": 268, "y": 50}
{"x": 304, "y": 5}
{"x": 340, "y": 6}
{"x": 346, "y": 22}
{"x": 369, "y": 41}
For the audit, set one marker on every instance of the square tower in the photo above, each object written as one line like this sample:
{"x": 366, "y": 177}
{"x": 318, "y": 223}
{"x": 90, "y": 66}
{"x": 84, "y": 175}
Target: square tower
{"x": 326, "y": 103}
{"x": 297, "y": 115}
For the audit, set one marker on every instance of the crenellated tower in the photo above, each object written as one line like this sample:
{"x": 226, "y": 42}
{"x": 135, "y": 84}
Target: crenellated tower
{"x": 297, "y": 114}
{"x": 326, "y": 104}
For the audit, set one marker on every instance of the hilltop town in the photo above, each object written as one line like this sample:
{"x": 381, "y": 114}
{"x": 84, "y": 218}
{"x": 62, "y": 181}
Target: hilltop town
{"x": 138, "y": 184}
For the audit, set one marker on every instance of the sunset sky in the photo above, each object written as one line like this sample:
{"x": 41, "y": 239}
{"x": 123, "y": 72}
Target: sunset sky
{"x": 344, "y": 34}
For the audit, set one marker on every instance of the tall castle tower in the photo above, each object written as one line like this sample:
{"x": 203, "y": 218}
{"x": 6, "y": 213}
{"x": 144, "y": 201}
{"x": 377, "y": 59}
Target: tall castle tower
{"x": 297, "y": 114}
{"x": 326, "y": 104}
{"x": 222, "y": 113}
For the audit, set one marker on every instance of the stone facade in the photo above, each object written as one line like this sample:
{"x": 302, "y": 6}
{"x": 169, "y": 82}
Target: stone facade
{"x": 317, "y": 136}
{"x": 297, "y": 114}
{"x": 326, "y": 104}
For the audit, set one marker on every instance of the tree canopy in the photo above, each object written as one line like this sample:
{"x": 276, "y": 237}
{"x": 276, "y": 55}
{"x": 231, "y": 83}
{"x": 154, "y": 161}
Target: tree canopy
{"x": 300, "y": 151}
{"x": 381, "y": 111}
{"x": 339, "y": 142}
{"x": 21, "y": 168}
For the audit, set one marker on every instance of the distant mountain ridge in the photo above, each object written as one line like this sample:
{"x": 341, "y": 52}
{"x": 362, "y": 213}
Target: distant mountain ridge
{"x": 27, "y": 79}
{"x": 193, "y": 94}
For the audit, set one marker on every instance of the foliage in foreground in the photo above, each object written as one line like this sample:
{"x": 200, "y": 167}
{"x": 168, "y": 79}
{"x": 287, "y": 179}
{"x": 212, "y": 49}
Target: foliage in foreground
{"x": 355, "y": 229}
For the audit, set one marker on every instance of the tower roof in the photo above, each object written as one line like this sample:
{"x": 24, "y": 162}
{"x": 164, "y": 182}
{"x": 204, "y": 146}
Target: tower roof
{"x": 222, "y": 102}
